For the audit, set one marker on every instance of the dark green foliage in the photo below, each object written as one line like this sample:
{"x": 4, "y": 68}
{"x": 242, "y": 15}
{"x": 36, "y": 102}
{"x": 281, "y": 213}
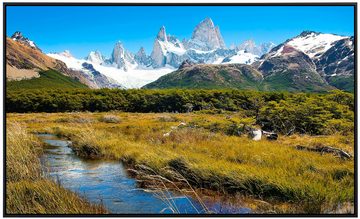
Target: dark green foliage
{"x": 63, "y": 100}
{"x": 343, "y": 83}
{"x": 273, "y": 111}
{"x": 284, "y": 81}
{"x": 310, "y": 114}
{"x": 47, "y": 79}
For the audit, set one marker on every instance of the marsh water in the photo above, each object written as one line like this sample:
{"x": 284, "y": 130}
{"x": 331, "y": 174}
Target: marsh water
{"x": 107, "y": 183}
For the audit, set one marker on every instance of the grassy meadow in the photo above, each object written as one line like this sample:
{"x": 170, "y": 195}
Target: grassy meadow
{"x": 209, "y": 150}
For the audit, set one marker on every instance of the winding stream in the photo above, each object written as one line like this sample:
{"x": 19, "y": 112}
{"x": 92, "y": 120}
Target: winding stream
{"x": 107, "y": 182}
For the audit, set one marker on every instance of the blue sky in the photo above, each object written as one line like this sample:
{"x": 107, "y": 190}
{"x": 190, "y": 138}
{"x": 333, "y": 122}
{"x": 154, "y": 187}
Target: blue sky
{"x": 82, "y": 29}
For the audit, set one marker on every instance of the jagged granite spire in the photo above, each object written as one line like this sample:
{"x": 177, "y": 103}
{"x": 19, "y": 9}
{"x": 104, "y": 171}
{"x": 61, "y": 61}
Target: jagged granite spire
{"x": 206, "y": 36}
{"x": 120, "y": 57}
{"x": 162, "y": 34}
{"x": 141, "y": 58}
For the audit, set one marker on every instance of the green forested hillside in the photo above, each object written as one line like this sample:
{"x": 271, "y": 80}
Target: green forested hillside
{"x": 47, "y": 79}
{"x": 204, "y": 76}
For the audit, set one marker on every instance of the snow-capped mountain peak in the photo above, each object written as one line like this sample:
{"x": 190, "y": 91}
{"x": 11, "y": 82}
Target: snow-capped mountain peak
{"x": 314, "y": 44}
{"x": 95, "y": 57}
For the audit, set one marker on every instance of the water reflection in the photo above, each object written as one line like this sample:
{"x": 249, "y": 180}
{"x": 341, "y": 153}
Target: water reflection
{"x": 107, "y": 182}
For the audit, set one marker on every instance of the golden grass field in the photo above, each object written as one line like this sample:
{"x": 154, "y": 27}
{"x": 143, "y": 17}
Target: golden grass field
{"x": 274, "y": 171}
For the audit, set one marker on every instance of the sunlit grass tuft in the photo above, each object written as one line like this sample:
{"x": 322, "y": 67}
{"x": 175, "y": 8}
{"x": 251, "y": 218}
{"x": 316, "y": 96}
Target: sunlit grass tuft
{"x": 45, "y": 197}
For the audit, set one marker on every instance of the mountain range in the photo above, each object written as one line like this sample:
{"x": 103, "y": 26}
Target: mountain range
{"x": 311, "y": 61}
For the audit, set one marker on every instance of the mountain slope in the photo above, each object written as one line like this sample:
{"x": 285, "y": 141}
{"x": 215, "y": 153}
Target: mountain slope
{"x": 86, "y": 69}
{"x": 292, "y": 70}
{"x": 337, "y": 64}
{"x": 25, "y": 62}
{"x": 311, "y": 61}
{"x": 208, "y": 76}
{"x": 18, "y": 37}
{"x": 47, "y": 79}
{"x": 314, "y": 44}
{"x": 287, "y": 70}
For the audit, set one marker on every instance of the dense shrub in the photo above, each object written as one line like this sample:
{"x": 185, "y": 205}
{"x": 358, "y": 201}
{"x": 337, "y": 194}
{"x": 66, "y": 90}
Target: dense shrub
{"x": 67, "y": 100}
{"x": 311, "y": 114}
{"x": 274, "y": 111}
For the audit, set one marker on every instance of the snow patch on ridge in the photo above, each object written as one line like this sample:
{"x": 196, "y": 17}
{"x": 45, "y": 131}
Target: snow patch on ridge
{"x": 241, "y": 57}
{"x": 167, "y": 47}
{"x": 314, "y": 44}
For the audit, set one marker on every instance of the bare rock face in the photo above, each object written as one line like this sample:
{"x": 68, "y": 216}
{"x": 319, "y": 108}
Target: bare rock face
{"x": 121, "y": 58}
{"x": 18, "y": 37}
{"x": 162, "y": 34}
{"x": 206, "y": 37}
{"x": 158, "y": 55}
{"x": 141, "y": 58}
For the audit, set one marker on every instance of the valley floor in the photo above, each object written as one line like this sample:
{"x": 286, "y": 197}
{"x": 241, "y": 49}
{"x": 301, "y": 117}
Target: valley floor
{"x": 203, "y": 150}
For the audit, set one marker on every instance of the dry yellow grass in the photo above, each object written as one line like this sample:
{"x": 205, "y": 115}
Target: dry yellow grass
{"x": 273, "y": 170}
